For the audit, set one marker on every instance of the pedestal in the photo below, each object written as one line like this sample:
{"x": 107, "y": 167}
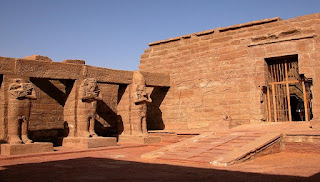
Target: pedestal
{"x": 30, "y": 148}
{"x": 85, "y": 143}
{"x": 139, "y": 139}
{"x": 315, "y": 124}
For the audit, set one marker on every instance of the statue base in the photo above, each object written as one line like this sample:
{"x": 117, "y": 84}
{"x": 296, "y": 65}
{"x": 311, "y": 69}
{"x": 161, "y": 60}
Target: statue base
{"x": 30, "y": 148}
{"x": 85, "y": 143}
{"x": 315, "y": 124}
{"x": 138, "y": 139}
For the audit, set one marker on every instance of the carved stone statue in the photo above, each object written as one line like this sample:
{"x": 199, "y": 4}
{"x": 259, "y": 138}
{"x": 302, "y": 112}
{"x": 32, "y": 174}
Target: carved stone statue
{"x": 139, "y": 108}
{"x": 89, "y": 94}
{"x": 19, "y": 105}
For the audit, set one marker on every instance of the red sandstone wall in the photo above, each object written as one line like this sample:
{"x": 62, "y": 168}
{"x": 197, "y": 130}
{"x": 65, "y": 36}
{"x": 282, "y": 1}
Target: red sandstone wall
{"x": 219, "y": 70}
{"x": 53, "y": 114}
{"x": 47, "y": 110}
{"x": 107, "y": 109}
{"x": 3, "y": 128}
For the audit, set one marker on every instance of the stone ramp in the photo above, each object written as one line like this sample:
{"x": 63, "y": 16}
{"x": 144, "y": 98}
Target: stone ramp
{"x": 220, "y": 148}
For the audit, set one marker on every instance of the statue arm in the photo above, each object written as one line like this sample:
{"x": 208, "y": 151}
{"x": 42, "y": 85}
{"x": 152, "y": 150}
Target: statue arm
{"x": 149, "y": 100}
{"x": 98, "y": 96}
{"x": 92, "y": 97}
{"x": 32, "y": 96}
{"x": 138, "y": 99}
{"x": 87, "y": 98}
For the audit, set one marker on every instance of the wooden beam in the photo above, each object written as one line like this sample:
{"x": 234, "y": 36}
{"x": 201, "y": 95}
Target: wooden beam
{"x": 284, "y": 82}
{"x": 269, "y": 104}
{"x": 288, "y": 90}
{"x": 274, "y": 104}
{"x": 305, "y": 101}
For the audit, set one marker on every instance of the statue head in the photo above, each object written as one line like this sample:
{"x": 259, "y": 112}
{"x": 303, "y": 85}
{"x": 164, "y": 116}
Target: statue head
{"x": 19, "y": 83}
{"x": 141, "y": 90}
{"x": 90, "y": 83}
{"x": 20, "y": 80}
{"x": 17, "y": 80}
{"x": 138, "y": 78}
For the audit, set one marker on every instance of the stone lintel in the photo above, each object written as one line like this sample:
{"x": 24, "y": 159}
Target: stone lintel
{"x": 85, "y": 143}
{"x": 31, "y": 148}
{"x": 61, "y": 70}
{"x": 156, "y": 79}
{"x": 108, "y": 75}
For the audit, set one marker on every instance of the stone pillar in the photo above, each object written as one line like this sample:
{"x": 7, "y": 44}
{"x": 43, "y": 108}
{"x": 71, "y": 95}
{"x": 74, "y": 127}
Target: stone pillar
{"x": 139, "y": 98}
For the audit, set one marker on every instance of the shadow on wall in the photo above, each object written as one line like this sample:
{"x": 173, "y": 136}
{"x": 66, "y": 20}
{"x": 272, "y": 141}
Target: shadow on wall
{"x": 49, "y": 91}
{"x": 121, "y": 90}
{"x": 103, "y": 169}
{"x": 110, "y": 128}
{"x": 154, "y": 114}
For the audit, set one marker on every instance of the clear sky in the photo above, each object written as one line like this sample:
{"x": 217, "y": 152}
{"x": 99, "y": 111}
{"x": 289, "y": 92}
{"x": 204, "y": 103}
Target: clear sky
{"x": 114, "y": 33}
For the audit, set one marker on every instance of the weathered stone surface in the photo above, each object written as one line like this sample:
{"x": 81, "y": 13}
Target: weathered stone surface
{"x": 108, "y": 75}
{"x": 220, "y": 70}
{"x": 21, "y": 92}
{"x": 138, "y": 112}
{"x": 89, "y": 94}
{"x": 139, "y": 139}
{"x": 52, "y": 70}
{"x": 85, "y": 142}
{"x": 38, "y": 58}
{"x": 74, "y": 61}
{"x": 20, "y": 149}
{"x": 7, "y": 65}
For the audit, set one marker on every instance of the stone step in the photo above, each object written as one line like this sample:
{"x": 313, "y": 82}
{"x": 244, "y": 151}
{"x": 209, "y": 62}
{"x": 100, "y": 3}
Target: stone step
{"x": 217, "y": 149}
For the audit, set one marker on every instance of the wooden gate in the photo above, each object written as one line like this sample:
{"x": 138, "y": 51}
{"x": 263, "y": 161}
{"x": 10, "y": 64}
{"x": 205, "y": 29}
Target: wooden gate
{"x": 287, "y": 92}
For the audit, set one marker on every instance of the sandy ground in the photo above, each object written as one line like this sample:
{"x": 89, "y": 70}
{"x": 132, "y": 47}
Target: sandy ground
{"x": 124, "y": 164}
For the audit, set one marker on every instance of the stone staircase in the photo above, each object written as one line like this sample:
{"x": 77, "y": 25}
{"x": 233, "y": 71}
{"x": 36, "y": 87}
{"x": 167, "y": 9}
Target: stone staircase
{"x": 220, "y": 148}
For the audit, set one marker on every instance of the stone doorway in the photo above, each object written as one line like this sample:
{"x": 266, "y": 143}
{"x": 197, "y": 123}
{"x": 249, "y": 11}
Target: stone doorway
{"x": 288, "y": 92}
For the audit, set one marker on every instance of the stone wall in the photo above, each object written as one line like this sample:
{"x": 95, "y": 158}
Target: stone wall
{"x": 220, "y": 70}
{"x": 54, "y": 113}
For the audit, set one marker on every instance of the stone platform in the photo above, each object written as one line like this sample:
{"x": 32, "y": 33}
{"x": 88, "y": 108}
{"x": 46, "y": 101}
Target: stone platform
{"x": 19, "y": 149}
{"x": 220, "y": 149}
{"x": 82, "y": 142}
{"x": 139, "y": 139}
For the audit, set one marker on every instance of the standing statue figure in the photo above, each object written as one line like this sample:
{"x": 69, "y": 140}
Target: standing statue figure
{"x": 19, "y": 105}
{"x": 87, "y": 107}
{"x": 139, "y": 108}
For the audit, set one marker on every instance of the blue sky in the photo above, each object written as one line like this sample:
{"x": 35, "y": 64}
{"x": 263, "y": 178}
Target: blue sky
{"x": 114, "y": 33}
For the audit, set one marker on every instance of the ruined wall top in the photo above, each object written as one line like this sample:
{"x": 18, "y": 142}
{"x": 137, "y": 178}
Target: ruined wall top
{"x": 37, "y": 66}
{"x": 216, "y": 31}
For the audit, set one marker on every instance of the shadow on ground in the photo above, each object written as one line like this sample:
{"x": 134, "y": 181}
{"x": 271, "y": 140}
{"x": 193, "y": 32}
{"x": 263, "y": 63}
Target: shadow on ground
{"x": 101, "y": 169}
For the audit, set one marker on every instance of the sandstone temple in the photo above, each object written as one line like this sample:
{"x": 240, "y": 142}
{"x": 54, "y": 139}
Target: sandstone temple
{"x": 253, "y": 74}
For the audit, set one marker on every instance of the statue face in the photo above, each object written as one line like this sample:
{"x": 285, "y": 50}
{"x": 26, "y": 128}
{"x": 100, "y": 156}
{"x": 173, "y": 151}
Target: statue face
{"x": 17, "y": 81}
{"x": 141, "y": 89}
{"x": 92, "y": 84}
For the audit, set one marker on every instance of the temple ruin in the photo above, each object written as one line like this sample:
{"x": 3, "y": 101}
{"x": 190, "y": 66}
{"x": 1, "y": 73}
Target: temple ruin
{"x": 264, "y": 71}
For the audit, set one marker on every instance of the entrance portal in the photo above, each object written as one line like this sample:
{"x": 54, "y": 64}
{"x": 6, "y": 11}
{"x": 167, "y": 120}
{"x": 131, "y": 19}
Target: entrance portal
{"x": 288, "y": 92}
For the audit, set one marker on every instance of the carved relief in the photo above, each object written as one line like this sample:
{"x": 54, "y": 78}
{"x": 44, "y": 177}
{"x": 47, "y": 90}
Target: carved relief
{"x": 19, "y": 106}
{"x": 89, "y": 94}
{"x": 139, "y": 106}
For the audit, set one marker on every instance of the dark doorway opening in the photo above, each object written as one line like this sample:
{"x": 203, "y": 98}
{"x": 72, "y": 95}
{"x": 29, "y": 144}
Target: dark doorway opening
{"x": 289, "y": 92}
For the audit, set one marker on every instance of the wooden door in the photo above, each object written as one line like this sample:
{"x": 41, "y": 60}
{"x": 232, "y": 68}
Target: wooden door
{"x": 286, "y": 86}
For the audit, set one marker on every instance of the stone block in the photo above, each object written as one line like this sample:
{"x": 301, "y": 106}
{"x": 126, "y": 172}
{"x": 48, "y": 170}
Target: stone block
{"x": 139, "y": 139}
{"x": 315, "y": 124}
{"x": 20, "y": 149}
{"x": 85, "y": 143}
